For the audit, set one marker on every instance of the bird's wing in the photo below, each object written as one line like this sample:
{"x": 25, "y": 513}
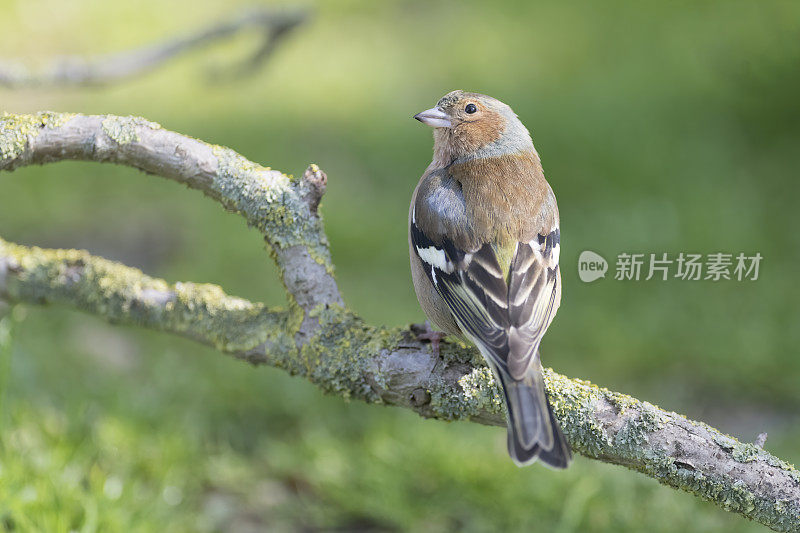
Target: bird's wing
{"x": 533, "y": 298}
{"x": 505, "y": 314}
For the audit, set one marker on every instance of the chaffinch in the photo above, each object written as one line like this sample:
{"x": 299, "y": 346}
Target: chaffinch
{"x": 484, "y": 247}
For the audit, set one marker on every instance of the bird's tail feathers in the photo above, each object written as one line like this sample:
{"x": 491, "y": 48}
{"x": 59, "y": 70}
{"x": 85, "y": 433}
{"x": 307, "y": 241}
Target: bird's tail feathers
{"x": 533, "y": 431}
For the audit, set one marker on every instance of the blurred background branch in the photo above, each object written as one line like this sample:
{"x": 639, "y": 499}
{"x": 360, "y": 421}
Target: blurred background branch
{"x": 319, "y": 339}
{"x": 273, "y": 24}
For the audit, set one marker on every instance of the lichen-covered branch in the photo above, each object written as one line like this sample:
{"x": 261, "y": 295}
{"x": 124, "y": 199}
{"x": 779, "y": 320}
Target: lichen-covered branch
{"x": 283, "y": 208}
{"x": 124, "y": 295}
{"x": 318, "y": 338}
{"x": 104, "y": 70}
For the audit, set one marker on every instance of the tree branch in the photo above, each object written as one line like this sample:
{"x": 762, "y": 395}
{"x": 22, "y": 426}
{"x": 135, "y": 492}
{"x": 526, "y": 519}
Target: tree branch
{"x": 321, "y": 340}
{"x": 111, "y": 68}
{"x": 124, "y": 295}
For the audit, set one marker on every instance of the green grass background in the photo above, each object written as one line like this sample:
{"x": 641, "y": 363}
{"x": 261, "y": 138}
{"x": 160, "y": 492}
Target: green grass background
{"x": 663, "y": 127}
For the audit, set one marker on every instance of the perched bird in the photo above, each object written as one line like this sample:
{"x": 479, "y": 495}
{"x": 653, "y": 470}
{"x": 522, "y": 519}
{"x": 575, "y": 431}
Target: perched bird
{"x": 484, "y": 247}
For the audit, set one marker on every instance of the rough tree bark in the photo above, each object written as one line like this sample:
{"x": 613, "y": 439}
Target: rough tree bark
{"x": 319, "y": 338}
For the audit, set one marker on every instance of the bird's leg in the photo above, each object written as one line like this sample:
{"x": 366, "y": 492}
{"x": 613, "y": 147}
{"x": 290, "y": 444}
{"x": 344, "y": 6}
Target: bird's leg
{"x": 427, "y": 333}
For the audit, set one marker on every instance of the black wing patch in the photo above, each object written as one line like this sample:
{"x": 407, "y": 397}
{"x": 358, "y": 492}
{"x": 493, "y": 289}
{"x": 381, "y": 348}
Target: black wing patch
{"x": 508, "y": 317}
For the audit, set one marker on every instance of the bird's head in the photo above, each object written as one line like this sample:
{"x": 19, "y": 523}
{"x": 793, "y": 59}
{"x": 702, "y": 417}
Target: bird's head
{"x": 471, "y": 125}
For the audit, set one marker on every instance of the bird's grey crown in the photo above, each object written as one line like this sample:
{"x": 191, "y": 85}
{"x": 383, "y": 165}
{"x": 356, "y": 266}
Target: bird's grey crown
{"x": 452, "y": 97}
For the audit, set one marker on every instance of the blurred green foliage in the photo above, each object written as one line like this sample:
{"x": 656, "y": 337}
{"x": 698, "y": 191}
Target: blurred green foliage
{"x": 663, "y": 127}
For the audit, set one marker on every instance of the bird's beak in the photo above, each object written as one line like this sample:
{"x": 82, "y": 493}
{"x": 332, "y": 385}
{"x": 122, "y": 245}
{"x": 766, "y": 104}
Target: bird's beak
{"x": 435, "y": 118}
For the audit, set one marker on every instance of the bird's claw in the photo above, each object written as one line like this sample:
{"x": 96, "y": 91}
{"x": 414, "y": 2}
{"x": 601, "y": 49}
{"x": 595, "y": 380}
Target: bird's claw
{"x": 427, "y": 333}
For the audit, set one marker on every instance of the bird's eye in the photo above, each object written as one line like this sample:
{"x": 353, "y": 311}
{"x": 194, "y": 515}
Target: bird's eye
{"x": 470, "y": 108}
